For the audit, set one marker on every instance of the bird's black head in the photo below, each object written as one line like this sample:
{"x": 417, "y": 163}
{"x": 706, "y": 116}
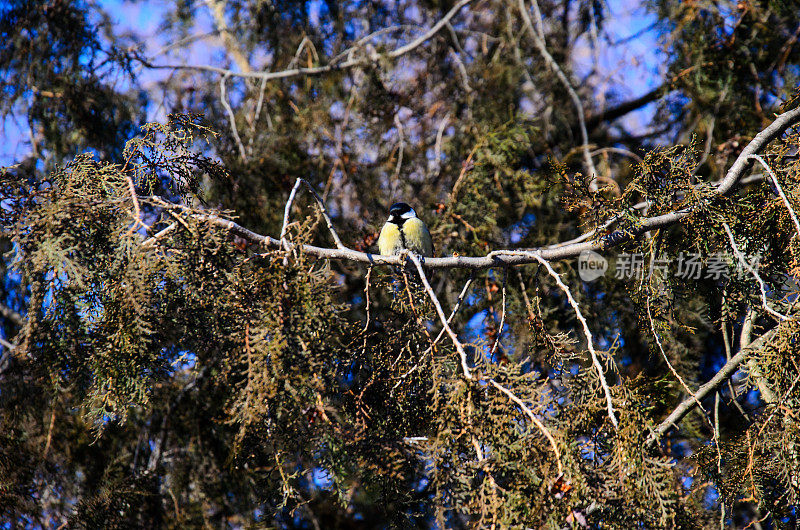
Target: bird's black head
{"x": 399, "y": 212}
{"x": 399, "y": 208}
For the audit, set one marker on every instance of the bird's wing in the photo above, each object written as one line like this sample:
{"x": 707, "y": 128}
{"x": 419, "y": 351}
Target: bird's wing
{"x": 427, "y": 241}
{"x": 418, "y": 232}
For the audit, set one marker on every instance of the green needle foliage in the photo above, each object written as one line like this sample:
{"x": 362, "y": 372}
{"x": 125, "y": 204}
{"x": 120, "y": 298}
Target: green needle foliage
{"x": 164, "y": 365}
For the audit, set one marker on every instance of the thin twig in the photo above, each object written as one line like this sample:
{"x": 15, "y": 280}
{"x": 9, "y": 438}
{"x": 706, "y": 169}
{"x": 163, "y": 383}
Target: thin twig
{"x": 49, "y": 434}
{"x": 456, "y": 307}
{"x": 231, "y": 116}
{"x": 619, "y": 151}
{"x": 318, "y": 70}
{"x": 217, "y": 9}
{"x": 366, "y": 292}
{"x": 435, "y": 301}
{"x": 666, "y": 359}
{"x": 539, "y": 40}
{"x": 502, "y": 316}
{"x": 755, "y": 274}
{"x": 137, "y": 212}
{"x": 401, "y": 140}
{"x": 589, "y": 340}
{"x": 534, "y": 419}
{"x": 430, "y": 33}
{"x": 726, "y": 340}
{"x": 322, "y": 208}
{"x": 150, "y": 241}
{"x": 780, "y": 191}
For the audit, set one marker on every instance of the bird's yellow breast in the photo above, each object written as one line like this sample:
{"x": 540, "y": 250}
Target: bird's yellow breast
{"x": 389, "y": 242}
{"x": 418, "y": 239}
{"x": 413, "y": 236}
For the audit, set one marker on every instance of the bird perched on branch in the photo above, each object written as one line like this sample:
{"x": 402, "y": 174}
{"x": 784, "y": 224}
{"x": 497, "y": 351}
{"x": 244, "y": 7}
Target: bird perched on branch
{"x": 404, "y": 231}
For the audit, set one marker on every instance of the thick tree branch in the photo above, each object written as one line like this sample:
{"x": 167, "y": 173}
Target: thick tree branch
{"x": 504, "y": 258}
{"x": 713, "y": 384}
{"x": 594, "y": 120}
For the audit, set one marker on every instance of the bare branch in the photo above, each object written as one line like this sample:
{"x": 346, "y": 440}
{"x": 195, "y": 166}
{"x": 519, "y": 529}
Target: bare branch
{"x": 401, "y": 139}
{"x": 712, "y": 385}
{"x": 535, "y": 421}
{"x": 456, "y": 307}
{"x": 589, "y": 340}
{"x": 149, "y": 242}
{"x": 538, "y": 39}
{"x": 435, "y": 301}
{"x": 502, "y": 317}
{"x": 12, "y": 315}
{"x": 137, "y": 212}
{"x": 286, "y": 211}
{"x": 224, "y": 99}
{"x": 318, "y": 70}
{"x": 322, "y": 208}
{"x": 431, "y": 32}
{"x": 366, "y": 296}
{"x": 8, "y": 352}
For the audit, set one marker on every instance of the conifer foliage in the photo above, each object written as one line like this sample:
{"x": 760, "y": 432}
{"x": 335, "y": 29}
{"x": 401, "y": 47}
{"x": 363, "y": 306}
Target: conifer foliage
{"x": 194, "y": 332}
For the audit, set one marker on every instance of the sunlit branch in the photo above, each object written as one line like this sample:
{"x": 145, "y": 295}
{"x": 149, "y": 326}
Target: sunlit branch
{"x": 322, "y": 208}
{"x": 762, "y": 286}
{"x": 589, "y": 340}
{"x": 431, "y": 32}
{"x": 503, "y": 258}
{"x": 435, "y": 301}
{"x": 456, "y": 307}
{"x": 727, "y": 370}
{"x": 223, "y": 96}
{"x": 535, "y": 421}
{"x": 502, "y": 317}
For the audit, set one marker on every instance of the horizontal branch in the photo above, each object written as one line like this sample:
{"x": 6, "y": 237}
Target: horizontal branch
{"x": 712, "y": 385}
{"x": 611, "y": 114}
{"x": 505, "y": 258}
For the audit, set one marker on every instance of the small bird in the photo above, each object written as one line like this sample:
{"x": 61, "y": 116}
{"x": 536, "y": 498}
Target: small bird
{"x": 404, "y": 230}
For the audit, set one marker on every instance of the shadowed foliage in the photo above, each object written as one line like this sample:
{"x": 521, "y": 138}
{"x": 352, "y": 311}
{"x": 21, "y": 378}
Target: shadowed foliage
{"x": 164, "y": 366}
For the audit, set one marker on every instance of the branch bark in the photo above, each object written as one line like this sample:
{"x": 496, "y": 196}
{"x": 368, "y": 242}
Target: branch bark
{"x": 505, "y": 258}
{"x": 713, "y": 384}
